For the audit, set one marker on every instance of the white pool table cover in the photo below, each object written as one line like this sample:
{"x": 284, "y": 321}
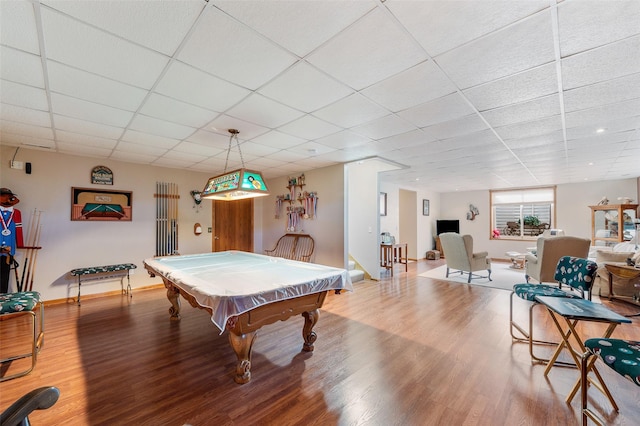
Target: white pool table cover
{"x": 234, "y": 282}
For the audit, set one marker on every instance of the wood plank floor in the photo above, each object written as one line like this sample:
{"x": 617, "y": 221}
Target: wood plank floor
{"x": 405, "y": 350}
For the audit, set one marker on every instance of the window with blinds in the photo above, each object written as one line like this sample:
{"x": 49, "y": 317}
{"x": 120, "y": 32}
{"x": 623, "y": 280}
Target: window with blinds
{"x": 522, "y": 213}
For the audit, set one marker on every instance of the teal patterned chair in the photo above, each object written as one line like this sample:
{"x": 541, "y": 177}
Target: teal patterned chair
{"x": 575, "y": 278}
{"x": 15, "y": 305}
{"x": 622, "y": 356}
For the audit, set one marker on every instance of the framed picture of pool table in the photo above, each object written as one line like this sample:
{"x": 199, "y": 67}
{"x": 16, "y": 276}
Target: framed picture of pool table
{"x": 95, "y": 205}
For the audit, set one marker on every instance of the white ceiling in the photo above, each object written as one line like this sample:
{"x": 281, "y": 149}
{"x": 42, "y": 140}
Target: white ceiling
{"x": 467, "y": 95}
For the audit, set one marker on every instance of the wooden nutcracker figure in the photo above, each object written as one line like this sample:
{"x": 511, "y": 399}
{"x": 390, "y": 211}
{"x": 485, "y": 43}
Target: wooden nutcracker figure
{"x": 10, "y": 234}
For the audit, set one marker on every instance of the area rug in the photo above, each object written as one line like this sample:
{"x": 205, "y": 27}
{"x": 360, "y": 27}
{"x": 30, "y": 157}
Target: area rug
{"x": 502, "y": 276}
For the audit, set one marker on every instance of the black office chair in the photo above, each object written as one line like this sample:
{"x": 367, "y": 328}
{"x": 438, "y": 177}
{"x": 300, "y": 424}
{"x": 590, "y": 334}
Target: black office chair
{"x": 38, "y": 399}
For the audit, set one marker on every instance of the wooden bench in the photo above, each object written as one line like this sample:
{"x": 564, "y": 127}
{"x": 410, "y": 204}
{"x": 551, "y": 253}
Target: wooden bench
{"x": 293, "y": 246}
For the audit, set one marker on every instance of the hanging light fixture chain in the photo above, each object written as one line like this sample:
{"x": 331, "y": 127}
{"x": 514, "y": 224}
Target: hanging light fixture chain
{"x": 233, "y": 133}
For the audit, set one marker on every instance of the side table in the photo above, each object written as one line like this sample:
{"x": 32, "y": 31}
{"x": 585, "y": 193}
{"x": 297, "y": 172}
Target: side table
{"x": 623, "y": 272}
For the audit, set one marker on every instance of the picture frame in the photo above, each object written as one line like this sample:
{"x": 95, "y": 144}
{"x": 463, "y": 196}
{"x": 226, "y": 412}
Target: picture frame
{"x": 425, "y": 207}
{"x": 99, "y": 205}
{"x": 383, "y": 204}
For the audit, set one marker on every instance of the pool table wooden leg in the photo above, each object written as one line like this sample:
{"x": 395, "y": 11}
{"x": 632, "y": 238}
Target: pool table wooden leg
{"x": 242, "y": 345}
{"x": 309, "y": 336}
{"x": 174, "y": 297}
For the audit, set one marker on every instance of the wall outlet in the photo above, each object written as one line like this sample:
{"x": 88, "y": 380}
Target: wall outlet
{"x": 17, "y": 165}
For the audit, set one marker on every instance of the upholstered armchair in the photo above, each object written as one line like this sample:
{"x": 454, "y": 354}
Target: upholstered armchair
{"x": 541, "y": 266}
{"x": 621, "y": 286}
{"x": 459, "y": 254}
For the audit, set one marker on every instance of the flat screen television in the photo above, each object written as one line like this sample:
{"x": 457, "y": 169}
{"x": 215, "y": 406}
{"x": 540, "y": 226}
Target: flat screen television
{"x": 447, "y": 226}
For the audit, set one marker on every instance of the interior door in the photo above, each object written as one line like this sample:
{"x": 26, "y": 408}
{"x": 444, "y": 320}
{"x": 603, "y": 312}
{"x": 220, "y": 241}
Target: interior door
{"x": 232, "y": 225}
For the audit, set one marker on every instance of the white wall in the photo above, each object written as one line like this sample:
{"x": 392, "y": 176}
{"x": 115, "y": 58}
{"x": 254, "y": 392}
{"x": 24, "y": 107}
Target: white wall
{"x": 70, "y": 244}
{"x": 327, "y": 228}
{"x": 572, "y": 212}
{"x": 364, "y": 221}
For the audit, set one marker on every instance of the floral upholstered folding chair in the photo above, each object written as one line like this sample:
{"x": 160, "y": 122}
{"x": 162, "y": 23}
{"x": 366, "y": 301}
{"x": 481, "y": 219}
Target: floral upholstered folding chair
{"x": 575, "y": 278}
{"x": 16, "y": 305}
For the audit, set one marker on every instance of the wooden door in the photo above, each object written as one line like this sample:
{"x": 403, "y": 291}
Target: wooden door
{"x": 232, "y": 225}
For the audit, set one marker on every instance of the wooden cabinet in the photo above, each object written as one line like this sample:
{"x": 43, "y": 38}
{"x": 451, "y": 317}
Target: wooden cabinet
{"x": 613, "y": 223}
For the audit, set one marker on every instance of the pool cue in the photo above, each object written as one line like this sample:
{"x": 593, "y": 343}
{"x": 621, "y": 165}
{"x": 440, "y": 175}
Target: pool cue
{"x": 20, "y": 282}
{"x": 33, "y": 236}
{"x": 35, "y": 257}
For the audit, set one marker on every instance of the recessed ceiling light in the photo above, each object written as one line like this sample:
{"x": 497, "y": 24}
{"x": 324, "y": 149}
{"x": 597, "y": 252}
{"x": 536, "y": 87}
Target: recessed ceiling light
{"x": 591, "y": 164}
{"x": 600, "y": 130}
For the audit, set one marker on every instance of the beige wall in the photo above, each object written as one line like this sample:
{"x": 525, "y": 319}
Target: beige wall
{"x": 67, "y": 245}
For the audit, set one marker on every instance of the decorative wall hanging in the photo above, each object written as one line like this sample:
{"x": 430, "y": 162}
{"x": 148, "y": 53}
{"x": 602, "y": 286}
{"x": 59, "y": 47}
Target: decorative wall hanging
{"x": 90, "y": 204}
{"x": 308, "y": 208}
{"x": 425, "y": 207}
{"x": 197, "y": 199}
{"x": 383, "y": 204}
{"x": 473, "y": 212}
{"x": 101, "y": 175}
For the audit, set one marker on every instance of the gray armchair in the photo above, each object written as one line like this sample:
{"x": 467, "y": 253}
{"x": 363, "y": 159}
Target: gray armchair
{"x": 459, "y": 255}
{"x": 541, "y": 266}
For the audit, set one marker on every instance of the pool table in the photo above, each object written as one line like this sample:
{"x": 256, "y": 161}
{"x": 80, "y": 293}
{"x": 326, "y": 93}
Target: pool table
{"x": 245, "y": 291}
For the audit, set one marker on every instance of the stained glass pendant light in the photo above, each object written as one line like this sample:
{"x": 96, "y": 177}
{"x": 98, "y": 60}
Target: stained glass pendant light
{"x": 235, "y": 185}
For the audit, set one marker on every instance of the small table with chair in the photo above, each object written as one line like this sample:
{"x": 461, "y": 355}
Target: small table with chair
{"x": 571, "y": 311}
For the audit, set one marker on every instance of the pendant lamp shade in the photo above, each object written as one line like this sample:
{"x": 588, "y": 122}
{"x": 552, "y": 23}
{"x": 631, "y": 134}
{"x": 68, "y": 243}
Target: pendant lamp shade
{"x": 237, "y": 184}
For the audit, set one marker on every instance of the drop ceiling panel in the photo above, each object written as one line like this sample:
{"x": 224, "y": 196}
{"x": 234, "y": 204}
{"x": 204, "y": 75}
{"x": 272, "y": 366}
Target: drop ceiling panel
{"x": 531, "y": 128}
{"x": 85, "y": 47}
{"x": 24, "y": 115}
{"x": 439, "y": 110}
{"x": 196, "y": 87}
{"x": 89, "y": 111}
{"x": 224, "y": 47}
{"x": 411, "y": 87}
{"x": 264, "y": 111}
{"x": 12, "y": 127}
{"x": 129, "y": 20}
{"x": 412, "y": 138}
{"x": 83, "y": 150}
{"x": 525, "y": 111}
{"x": 288, "y": 23}
{"x": 142, "y": 138}
{"x": 64, "y": 137}
{"x": 343, "y": 139}
{"x": 384, "y": 127}
{"x": 158, "y": 127}
{"x": 22, "y": 95}
{"x": 197, "y": 149}
{"x": 460, "y": 126}
{"x": 372, "y": 49}
{"x": 603, "y": 114}
{"x": 248, "y": 130}
{"x": 21, "y": 67}
{"x": 607, "y": 92}
{"x": 279, "y": 140}
{"x": 94, "y": 88}
{"x": 351, "y": 111}
{"x": 603, "y": 63}
{"x": 531, "y": 84}
{"x": 310, "y": 127}
{"x": 440, "y": 26}
{"x": 137, "y": 148}
{"x": 175, "y": 111}
{"x": 305, "y": 88}
{"x": 18, "y": 26}
{"x": 86, "y": 127}
{"x": 584, "y": 25}
{"x": 519, "y": 47}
